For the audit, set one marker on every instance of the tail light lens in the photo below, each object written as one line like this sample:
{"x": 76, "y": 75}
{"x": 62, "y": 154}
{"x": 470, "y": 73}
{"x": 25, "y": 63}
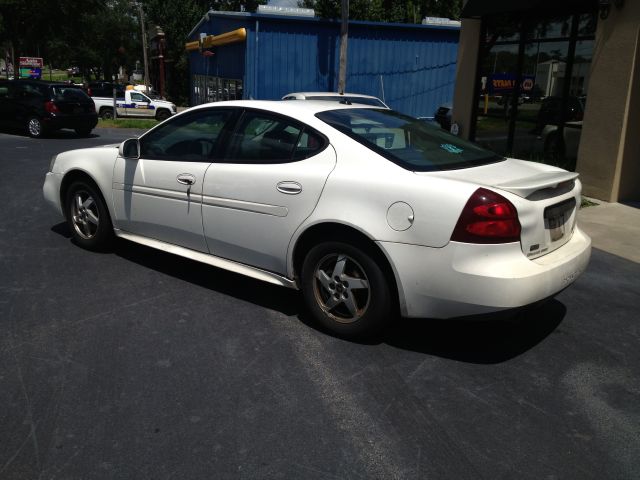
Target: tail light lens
{"x": 51, "y": 107}
{"x": 487, "y": 218}
{"x": 89, "y": 92}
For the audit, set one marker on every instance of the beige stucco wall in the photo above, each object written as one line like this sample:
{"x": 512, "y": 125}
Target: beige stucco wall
{"x": 466, "y": 75}
{"x": 609, "y": 153}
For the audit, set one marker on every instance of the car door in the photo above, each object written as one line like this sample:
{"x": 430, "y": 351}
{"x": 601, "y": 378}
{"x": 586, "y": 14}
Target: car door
{"x": 269, "y": 182}
{"x": 159, "y": 195}
{"x": 140, "y": 106}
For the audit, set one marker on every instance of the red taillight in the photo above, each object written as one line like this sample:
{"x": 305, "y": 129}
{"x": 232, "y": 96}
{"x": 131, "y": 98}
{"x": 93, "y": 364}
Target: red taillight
{"x": 51, "y": 107}
{"x": 89, "y": 92}
{"x": 487, "y": 218}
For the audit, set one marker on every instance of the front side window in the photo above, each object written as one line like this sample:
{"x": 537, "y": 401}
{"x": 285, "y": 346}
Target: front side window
{"x": 138, "y": 97}
{"x": 188, "y": 138}
{"x": 264, "y": 138}
{"x": 409, "y": 142}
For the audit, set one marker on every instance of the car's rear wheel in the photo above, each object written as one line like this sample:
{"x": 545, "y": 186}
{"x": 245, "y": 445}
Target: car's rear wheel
{"x": 35, "y": 128}
{"x": 106, "y": 113}
{"x": 87, "y": 216}
{"x": 345, "y": 290}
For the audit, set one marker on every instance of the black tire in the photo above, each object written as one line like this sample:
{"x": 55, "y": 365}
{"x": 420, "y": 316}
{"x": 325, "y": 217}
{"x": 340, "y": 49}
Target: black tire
{"x": 87, "y": 216}
{"x": 336, "y": 295}
{"x": 162, "y": 115}
{"x": 35, "y": 127}
{"x": 83, "y": 132}
{"x": 107, "y": 113}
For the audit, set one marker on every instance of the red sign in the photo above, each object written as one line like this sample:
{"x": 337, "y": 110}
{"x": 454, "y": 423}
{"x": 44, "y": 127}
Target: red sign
{"x": 31, "y": 62}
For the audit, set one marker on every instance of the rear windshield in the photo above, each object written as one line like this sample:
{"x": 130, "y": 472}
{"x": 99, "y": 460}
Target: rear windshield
{"x": 411, "y": 143}
{"x": 64, "y": 92}
{"x": 374, "y": 102}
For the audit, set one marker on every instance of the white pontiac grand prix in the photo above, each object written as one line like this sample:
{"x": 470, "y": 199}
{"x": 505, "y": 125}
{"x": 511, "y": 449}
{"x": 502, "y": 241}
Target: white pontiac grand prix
{"x": 365, "y": 210}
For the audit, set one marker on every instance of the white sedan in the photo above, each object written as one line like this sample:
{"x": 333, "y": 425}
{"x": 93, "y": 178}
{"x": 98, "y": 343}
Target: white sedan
{"x": 367, "y": 211}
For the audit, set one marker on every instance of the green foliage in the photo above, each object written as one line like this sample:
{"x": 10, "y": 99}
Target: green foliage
{"x": 404, "y": 11}
{"x": 89, "y": 34}
{"x": 127, "y": 123}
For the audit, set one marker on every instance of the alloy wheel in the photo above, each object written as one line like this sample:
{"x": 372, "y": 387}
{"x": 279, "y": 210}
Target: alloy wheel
{"x": 85, "y": 214}
{"x": 341, "y": 288}
{"x": 35, "y": 127}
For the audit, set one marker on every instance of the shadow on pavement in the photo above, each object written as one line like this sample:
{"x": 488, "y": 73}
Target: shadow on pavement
{"x": 232, "y": 284}
{"x": 55, "y": 135}
{"x": 482, "y": 340}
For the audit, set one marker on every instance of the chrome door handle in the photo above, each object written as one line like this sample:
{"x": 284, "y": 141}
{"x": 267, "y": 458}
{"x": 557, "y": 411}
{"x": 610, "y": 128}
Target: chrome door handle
{"x": 186, "y": 179}
{"x": 289, "y": 188}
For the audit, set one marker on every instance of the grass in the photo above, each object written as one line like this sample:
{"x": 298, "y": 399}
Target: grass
{"x": 585, "y": 202}
{"x": 127, "y": 123}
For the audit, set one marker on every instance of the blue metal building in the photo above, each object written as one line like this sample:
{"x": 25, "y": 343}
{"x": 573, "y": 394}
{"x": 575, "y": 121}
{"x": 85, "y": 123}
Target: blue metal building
{"x": 412, "y": 67}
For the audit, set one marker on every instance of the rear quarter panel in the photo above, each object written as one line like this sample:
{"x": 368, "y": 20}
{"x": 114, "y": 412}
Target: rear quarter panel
{"x": 363, "y": 186}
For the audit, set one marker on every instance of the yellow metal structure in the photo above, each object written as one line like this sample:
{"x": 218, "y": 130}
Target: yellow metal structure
{"x": 239, "y": 35}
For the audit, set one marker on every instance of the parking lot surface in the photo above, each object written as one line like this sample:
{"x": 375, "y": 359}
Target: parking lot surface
{"x": 138, "y": 364}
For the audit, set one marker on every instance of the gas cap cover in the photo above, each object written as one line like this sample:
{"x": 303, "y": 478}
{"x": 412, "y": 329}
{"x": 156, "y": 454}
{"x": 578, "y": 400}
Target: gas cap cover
{"x": 400, "y": 216}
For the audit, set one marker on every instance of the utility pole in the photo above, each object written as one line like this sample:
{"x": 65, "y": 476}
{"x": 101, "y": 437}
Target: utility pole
{"x": 144, "y": 48}
{"x": 344, "y": 34}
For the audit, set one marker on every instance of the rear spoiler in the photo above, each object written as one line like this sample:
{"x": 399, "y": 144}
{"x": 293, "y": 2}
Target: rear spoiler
{"x": 526, "y": 186}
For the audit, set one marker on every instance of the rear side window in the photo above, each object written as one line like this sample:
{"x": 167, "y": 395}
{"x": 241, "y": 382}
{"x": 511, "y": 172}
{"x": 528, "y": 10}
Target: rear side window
{"x": 407, "y": 141}
{"x": 264, "y": 138}
{"x": 62, "y": 92}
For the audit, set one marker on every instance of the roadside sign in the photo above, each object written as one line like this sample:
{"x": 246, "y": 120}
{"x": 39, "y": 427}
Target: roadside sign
{"x": 29, "y": 72}
{"x": 31, "y": 62}
{"x": 503, "y": 83}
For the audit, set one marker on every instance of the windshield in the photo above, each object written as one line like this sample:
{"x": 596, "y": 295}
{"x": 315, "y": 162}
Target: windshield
{"x": 374, "y": 102}
{"x": 411, "y": 143}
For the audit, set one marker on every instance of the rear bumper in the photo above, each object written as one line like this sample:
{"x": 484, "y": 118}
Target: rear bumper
{"x": 463, "y": 279}
{"x": 89, "y": 120}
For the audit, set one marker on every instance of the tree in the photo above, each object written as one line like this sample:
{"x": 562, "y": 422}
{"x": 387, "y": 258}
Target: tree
{"x": 88, "y": 34}
{"x": 404, "y": 11}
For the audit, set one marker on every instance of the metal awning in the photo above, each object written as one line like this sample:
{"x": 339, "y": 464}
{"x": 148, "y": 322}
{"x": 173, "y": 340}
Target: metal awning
{"x": 480, "y": 8}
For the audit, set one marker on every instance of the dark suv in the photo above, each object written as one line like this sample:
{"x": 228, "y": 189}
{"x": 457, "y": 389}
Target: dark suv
{"x": 41, "y": 107}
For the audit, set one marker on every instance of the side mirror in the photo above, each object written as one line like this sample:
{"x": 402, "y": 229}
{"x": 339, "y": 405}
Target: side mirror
{"x": 130, "y": 148}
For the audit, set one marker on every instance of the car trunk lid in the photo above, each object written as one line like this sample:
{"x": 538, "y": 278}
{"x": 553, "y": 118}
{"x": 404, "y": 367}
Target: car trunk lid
{"x": 546, "y": 199}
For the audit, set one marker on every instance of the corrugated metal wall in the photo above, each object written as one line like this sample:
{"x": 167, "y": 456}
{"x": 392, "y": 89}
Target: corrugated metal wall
{"x": 414, "y": 64}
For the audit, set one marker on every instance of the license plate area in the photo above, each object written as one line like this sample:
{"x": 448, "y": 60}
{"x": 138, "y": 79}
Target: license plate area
{"x": 556, "y": 218}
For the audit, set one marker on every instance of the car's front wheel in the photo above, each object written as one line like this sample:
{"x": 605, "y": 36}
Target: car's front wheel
{"x": 345, "y": 290}
{"x": 162, "y": 115}
{"x": 87, "y": 216}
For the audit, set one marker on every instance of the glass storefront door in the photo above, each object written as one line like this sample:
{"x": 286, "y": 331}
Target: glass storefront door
{"x": 533, "y": 76}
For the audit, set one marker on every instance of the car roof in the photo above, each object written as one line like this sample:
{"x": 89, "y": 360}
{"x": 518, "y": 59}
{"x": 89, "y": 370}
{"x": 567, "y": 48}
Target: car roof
{"x": 330, "y": 94}
{"x": 284, "y": 107}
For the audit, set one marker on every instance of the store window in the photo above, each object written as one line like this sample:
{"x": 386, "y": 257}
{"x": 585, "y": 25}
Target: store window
{"x": 533, "y": 79}
{"x": 207, "y": 89}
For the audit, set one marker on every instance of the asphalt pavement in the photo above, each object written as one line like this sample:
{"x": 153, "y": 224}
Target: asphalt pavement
{"x": 135, "y": 364}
